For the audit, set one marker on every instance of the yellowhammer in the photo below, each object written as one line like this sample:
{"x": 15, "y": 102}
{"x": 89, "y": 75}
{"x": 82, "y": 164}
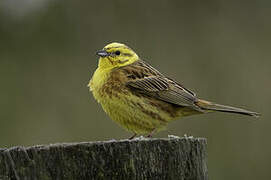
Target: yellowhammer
{"x": 140, "y": 98}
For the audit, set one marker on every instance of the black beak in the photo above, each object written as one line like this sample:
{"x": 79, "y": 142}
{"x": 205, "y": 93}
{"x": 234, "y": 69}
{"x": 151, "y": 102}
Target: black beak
{"x": 102, "y": 53}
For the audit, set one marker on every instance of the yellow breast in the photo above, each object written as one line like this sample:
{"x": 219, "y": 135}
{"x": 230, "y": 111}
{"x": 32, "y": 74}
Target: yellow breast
{"x": 97, "y": 81}
{"x": 129, "y": 111}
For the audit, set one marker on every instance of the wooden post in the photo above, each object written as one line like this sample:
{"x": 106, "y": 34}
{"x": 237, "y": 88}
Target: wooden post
{"x": 168, "y": 158}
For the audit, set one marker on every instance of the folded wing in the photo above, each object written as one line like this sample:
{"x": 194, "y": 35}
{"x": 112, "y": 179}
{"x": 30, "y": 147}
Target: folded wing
{"x": 161, "y": 87}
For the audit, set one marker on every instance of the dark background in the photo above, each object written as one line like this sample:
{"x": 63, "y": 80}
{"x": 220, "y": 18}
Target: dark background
{"x": 218, "y": 49}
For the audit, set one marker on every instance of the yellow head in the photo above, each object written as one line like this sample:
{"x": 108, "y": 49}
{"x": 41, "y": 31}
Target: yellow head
{"x": 116, "y": 55}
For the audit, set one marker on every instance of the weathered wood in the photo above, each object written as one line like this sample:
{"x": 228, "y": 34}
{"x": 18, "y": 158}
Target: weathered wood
{"x": 169, "y": 158}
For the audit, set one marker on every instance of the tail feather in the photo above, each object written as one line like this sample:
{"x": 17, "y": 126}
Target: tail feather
{"x": 209, "y": 106}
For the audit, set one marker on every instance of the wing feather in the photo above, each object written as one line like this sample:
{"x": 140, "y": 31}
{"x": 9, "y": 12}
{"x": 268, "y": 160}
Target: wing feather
{"x": 147, "y": 80}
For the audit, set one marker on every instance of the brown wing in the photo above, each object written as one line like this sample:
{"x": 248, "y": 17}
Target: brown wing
{"x": 147, "y": 80}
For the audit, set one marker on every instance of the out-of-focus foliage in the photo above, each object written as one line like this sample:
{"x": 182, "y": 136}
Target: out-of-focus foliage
{"x": 219, "y": 49}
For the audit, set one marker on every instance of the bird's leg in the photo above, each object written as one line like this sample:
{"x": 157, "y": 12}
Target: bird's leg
{"x": 151, "y": 133}
{"x": 132, "y": 137}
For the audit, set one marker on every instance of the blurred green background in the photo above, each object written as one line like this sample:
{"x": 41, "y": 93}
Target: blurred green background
{"x": 218, "y": 49}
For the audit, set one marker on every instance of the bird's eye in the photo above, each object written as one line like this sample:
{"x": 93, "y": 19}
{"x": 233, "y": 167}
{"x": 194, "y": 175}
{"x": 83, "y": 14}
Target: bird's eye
{"x": 117, "y": 52}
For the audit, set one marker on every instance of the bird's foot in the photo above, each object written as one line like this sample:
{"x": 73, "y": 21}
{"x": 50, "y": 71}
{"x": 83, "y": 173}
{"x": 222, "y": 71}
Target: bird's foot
{"x": 133, "y": 136}
{"x": 150, "y": 135}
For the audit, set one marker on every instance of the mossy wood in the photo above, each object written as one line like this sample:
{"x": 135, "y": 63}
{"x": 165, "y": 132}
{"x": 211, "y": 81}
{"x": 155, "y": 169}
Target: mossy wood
{"x": 170, "y": 158}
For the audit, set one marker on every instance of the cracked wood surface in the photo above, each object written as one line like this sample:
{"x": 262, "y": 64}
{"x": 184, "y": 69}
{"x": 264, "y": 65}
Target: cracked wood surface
{"x": 168, "y": 158}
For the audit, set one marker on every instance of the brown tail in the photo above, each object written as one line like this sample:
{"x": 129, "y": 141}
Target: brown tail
{"x": 209, "y": 106}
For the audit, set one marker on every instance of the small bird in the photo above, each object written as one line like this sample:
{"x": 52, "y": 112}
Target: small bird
{"x": 140, "y": 98}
